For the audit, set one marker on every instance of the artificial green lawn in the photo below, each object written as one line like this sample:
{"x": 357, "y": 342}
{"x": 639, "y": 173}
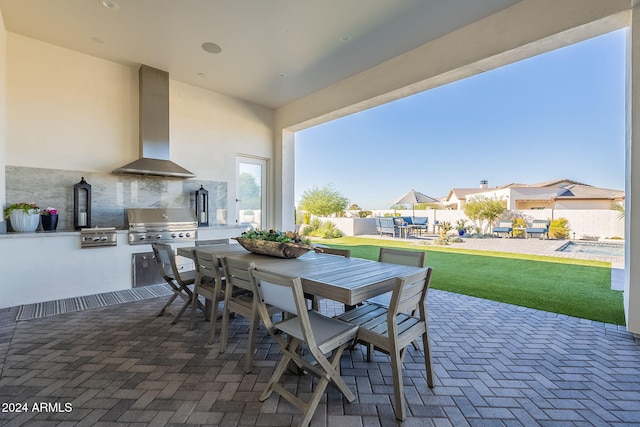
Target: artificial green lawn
{"x": 576, "y": 288}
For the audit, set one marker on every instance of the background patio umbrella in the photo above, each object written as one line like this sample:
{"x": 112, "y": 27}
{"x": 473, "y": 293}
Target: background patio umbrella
{"x": 413, "y": 197}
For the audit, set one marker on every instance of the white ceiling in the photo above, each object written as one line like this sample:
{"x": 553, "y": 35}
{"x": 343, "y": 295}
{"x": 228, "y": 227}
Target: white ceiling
{"x": 273, "y": 51}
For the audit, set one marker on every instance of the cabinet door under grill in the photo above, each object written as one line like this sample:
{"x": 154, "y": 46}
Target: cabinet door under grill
{"x": 145, "y": 270}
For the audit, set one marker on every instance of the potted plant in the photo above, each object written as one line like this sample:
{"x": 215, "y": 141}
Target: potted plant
{"x": 461, "y": 226}
{"x": 49, "y": 219}
{"x": 23, "y": 216}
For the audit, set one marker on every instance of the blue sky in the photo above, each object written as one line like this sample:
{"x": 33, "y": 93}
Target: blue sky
{"x": 553, "y": 116}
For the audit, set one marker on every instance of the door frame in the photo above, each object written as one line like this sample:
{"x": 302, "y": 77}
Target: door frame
{"x": 265, "y": 164}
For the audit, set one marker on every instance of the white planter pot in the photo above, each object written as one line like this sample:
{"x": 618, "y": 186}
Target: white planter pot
{"x": 23, "y": 222}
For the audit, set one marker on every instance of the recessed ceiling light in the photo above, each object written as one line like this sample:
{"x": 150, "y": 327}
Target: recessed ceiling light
{"x": 282, "y": 75}
{"x": 345, "y": 38}
{"x": 211, "y": 47}
{"x": 97, "y": 40}
{"x": 110, "y": 4}
{"x": 202, "y": 75}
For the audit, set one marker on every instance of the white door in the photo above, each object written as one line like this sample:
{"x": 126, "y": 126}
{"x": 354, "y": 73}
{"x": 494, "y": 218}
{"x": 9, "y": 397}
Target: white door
{"x": 251, "y": 186}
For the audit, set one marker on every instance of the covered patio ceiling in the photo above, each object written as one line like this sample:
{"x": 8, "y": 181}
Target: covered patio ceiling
{"x": 271, "y": 52}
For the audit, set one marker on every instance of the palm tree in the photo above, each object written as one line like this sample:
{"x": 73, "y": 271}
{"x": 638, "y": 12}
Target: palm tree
{"x": 618, "y": 206}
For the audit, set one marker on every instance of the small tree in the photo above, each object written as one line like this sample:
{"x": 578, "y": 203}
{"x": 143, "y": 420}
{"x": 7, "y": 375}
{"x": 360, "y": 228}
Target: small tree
{"x": 473, "y": 210}
{"x": 323, "y": 201}
{"x": 481, "y": 209}
{"x": 493, "y": 209}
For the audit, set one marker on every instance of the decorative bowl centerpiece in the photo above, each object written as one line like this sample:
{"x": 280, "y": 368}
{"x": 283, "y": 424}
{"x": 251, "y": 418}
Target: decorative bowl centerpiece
{"x": 281, "y": 244}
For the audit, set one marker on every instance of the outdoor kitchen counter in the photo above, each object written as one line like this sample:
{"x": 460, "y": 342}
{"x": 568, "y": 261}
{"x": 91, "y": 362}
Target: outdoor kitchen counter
{"x": 13, "y": 234}
{"x": 44, "y": 266}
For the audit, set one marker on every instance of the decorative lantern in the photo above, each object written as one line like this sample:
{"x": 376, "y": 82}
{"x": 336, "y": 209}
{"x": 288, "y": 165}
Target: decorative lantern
{"x": 82, "y": 205}
{"x": 202, "y": 206}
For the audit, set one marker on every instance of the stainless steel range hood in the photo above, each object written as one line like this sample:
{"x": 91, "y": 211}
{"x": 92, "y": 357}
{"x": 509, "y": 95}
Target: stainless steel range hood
{"x": 154, "y": 128}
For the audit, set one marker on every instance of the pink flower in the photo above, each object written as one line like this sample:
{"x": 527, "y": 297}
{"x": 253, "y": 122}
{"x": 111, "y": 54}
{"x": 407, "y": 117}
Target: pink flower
{"x": 49, "y": 211}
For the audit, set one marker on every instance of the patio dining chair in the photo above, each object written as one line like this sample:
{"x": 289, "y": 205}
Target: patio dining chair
{"x": 390, "y": 329}
{"x": 208, "y": 284}
{"x": 320, "y": 335}
{"x": 177, "y": 280}
{"x": 398, "y": 256}
{"x": 402, "y": 257}
{"x": 238, "y": 279}
{"x": 322, "y": 249}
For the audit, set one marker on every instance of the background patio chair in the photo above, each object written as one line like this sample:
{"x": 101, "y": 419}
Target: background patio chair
{"x": 322, "y": 335}
{"x": 423, "y": 222}
{"x": 386, "y": 225}
{"x": 503, "y": 227}
{"x": 391, "y": 329}
{"x": 538, "y": 227}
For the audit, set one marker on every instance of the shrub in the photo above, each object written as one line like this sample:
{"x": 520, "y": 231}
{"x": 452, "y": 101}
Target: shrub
{"x": 313, "y": 225}
{"x": 325, "y": 230}
{"x": 364, "y": 214}
{"x": 445, "y": 227}
{"x": 559, "y": 229}
{"x": 306, "y": 218}
{"x": 519, "y": 223}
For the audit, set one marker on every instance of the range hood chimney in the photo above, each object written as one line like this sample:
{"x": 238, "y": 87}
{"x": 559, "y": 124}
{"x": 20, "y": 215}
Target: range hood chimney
{"x": 154, "y": 128}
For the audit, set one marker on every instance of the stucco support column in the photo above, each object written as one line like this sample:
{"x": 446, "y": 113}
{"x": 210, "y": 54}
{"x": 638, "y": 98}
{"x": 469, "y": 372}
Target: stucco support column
{"x": 632, "y": 181}
{"x": 284, "y": 179}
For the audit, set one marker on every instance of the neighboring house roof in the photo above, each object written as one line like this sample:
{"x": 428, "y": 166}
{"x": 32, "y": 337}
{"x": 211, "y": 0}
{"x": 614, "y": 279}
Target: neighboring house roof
{"x": 589, "y": 192}
{"x": 549, "y": 190}
{"x": 558, "y": 183}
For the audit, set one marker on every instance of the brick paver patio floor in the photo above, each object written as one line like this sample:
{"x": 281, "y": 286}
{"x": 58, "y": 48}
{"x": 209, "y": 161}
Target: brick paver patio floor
{"x": 495, "y": 364}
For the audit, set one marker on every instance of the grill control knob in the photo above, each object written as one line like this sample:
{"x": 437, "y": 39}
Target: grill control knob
{"x": 96, "y": 238}
{"x": 103, "y": 238}
{"x": 181, "y": 234}
{"x": 173, "y": 235}
{"x": 142, "y": 237}
{"x": 158, "y": 236}
{"x": 188, "y": 234}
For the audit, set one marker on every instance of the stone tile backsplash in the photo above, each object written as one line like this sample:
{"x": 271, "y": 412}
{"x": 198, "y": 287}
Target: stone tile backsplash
{"x": 111, "y": 194}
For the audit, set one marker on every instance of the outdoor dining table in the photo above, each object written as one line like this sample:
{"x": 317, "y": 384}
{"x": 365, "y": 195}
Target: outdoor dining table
{"x": 346, "y": 280}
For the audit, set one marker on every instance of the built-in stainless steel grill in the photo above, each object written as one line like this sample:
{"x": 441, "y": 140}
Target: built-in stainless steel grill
{"x": 164, "y": 225}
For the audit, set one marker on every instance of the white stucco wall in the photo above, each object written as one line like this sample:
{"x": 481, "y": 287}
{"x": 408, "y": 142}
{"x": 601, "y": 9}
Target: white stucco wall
{"x": 3, "y": 116}
{"x": 68, "y": 110}
{"x": 208, "y": 130}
